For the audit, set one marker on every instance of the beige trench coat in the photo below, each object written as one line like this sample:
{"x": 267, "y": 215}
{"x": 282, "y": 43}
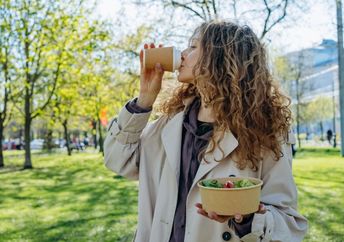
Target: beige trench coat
{"x": 151, "y": 153}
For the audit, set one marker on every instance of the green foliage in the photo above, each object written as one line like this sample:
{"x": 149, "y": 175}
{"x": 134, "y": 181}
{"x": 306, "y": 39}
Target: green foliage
{"x": 318, "y": 110}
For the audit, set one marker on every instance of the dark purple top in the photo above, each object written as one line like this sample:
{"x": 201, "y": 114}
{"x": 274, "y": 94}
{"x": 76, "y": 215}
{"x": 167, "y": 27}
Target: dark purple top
{"x": 195, "y": 137}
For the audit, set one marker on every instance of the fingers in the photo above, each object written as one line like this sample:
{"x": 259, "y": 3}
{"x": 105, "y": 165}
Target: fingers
{"x": 261, "y": 208}
{"x": 141, "y": 60}
{"x": 199, "y": 205}
{"x": 238, "y": 218}
{"x": 202, "y": 212}
{"x": 211, "y": 215}
{"x": 159, "y": 71}
{"x": 151, "y": 45}
{"x": 145, "y": 46}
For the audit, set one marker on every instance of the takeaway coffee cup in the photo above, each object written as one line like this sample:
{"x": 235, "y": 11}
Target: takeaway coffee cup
{"x": 168, "y": 57}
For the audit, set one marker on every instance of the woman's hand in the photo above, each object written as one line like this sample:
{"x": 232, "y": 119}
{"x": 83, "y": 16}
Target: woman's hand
{"x": 150, "y": 81}
{"x": 238, "y": 218}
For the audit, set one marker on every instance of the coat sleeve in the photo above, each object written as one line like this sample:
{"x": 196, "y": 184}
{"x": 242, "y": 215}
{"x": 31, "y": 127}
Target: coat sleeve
{"x": 281, "y": 222}
{"x": 122, "y": 143}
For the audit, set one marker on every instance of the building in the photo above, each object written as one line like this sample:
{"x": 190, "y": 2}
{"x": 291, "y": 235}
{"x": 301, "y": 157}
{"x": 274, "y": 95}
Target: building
{"x": 318, "y": 68}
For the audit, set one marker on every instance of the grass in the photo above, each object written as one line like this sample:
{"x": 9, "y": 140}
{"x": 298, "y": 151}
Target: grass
{"x": 66, "y": 199}
{"x": 319, "y": 174}
{"x": 76, "y": 199}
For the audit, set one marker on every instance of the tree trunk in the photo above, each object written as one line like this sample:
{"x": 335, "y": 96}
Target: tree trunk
{"x": 2, "y": 164}
{"x": 94, "y": 133}
{"x": 66, "y": 136}
{"x": 321, "y": 131}
{"x": 101, "y": 149}
{"x": 27, "y": 130}
{"x": 49, "y": 141}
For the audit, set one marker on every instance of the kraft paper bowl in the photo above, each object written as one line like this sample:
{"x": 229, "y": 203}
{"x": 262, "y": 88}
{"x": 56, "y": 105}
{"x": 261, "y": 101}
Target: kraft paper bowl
{"x": 231, "y": 201}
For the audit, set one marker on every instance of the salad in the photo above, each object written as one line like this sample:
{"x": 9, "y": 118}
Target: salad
{"x": 228, "y": 184}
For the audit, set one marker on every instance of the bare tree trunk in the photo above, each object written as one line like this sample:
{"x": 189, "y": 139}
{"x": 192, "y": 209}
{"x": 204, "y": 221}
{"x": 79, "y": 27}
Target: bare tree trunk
{"x": 66, "y": 136}
{"x": 27, "y": 139}
{"x": 101, "y": 148}
{"x": 27, "y": 130}
{"x": 321, "y": 131}
{"x": 2, "y": 164}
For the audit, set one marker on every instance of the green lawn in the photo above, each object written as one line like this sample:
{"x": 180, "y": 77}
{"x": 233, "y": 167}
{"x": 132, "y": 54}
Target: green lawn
{"x": 319, "y": 174}
{"x": 76, "y": 199}
{"x": 66, "y": 199}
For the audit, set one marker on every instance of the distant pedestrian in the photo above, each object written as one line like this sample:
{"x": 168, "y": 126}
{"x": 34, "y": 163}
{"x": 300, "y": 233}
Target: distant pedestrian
{"x": 329, "y": 136}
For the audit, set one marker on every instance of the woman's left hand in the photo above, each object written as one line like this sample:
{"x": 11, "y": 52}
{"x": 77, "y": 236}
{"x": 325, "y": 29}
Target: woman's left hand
{"x": 238, "y": 218}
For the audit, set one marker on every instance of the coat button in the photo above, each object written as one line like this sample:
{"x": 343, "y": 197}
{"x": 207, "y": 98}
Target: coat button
{"x": 226, "y": 236}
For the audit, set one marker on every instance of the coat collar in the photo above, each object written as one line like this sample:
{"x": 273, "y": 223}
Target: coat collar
{"x": 226, "y": 146}
{"x": 171, "y": 140}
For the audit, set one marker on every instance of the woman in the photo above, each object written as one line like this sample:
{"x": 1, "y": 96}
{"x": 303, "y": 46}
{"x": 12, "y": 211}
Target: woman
{"x": 227, "y": 118}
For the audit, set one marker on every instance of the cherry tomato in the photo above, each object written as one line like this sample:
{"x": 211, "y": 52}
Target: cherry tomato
{"x": 229, "y": 184}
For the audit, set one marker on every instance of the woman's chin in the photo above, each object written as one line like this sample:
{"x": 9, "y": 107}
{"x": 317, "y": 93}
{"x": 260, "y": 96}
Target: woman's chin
{"x": 182, "y": 79}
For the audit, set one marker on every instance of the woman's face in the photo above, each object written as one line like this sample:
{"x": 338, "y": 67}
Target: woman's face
{"x": 189, "y": 59}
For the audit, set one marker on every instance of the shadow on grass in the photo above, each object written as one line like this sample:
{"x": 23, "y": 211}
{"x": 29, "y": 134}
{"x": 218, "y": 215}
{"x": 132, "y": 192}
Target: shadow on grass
{"x": 10, "y": 169}
{"x": 317, "y": 151}
{"x": 68, "y": 204}
{"x": 323, "y": 211}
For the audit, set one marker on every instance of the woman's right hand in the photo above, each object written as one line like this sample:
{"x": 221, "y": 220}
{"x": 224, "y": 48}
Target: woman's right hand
{"x": 150, "y": 82}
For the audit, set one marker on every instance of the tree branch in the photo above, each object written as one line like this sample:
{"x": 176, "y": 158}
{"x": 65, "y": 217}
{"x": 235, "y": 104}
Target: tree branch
{"x": 57, "y": 74}
{"x": 174, "y": 3}
{"x": 205, "y": 3}
{"x": 269, "y": 10}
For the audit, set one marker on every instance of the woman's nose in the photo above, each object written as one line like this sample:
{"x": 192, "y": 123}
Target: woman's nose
{"x": 183, "y": 54}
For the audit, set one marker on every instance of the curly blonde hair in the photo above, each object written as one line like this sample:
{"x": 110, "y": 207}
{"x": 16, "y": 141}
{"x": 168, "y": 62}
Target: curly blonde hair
{"x": 233, "y": 78}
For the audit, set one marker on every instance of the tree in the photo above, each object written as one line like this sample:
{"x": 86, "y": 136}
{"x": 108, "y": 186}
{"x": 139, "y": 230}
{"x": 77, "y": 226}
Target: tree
{"x": 43, "y": 29}
{"x": 290, "y": 71}
{"x": 6, "y": 69}
{"x": 267, "y": 13}
{"x": 321, "y": 105}
{"x": 67, "y": 103}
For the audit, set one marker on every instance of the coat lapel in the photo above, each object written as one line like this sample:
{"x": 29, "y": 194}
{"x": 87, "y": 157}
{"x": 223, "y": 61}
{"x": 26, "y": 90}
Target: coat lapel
{"x": 227, "y": 144}
{"x": 171, "y": 139}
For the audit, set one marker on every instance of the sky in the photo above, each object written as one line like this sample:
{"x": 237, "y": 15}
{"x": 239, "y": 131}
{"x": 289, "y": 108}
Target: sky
{"x": 316, "y": 24}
